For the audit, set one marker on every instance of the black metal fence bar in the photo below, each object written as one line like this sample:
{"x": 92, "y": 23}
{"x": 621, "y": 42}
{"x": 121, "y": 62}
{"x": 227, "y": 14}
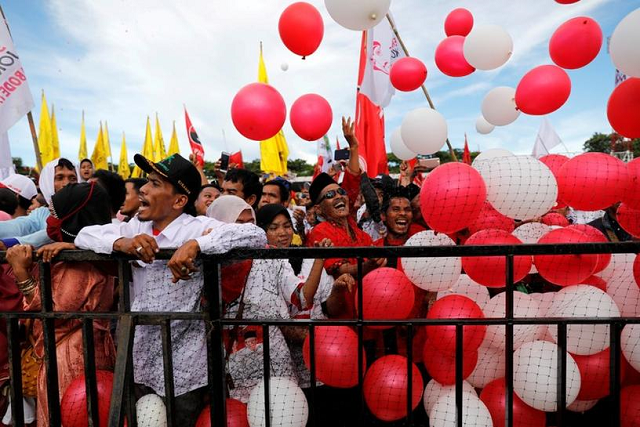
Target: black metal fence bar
{"x": 267, "y": 375}
{"x": 15, "y": 371}
{"x": 410, "y": 374}
{"x": 459, "y": 374}
{"x": 508, "y": 348}
{"x": 167, "y": 356}
{"x": 562, "y": 373}
{"x": 615, "y": 360}
{"x": 312, "y": 372}
{"x": 88, "y": 351}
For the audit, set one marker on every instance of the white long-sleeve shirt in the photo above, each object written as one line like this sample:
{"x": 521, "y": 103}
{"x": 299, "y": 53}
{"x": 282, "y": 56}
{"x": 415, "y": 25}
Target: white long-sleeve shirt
{"x": 153, "y": 291}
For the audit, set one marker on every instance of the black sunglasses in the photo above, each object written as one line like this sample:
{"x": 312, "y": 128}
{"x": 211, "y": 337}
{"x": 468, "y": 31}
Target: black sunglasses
{"x": 332, "y": 193}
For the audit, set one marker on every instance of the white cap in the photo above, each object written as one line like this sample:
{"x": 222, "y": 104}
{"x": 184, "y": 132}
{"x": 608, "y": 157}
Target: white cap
{"x": 21, "y": 185}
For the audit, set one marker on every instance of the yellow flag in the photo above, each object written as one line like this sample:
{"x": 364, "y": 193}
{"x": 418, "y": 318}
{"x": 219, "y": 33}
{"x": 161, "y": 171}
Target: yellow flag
{"x": 99, "y": 155}
{"x": 174, "y": 147}
{"x": 147, "y": 150}
{"x": 107, "y": 143}
{"x": 159, "y": 151}
{"x": 55, "y": 140}
{"x": 44, "y": 133}
{"x": 123, "y": 167}
{"x": 274, "y": 151}
{"x": 82, "y": 153}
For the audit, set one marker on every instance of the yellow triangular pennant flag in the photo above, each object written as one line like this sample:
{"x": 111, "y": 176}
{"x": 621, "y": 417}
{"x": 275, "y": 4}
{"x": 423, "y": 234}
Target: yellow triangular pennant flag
{"x": 107, "y": 142}
{"x": 44, "y": 133}
{"x": 123, "y": 167}
{"x": 147, "y": 150}
{"x": 82, "y": 153}
{"x": 55, "y": 140}
{"x": 159, "y": 151}
{"x": 174, "y": 147}
{"x": 99, "y": 155}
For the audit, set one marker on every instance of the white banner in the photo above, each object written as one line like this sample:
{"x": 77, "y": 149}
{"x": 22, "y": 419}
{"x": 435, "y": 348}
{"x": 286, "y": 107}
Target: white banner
{"x": 547, "y": 139}
{"x": 15, "y": 96}
{"x": 6, "y": 162}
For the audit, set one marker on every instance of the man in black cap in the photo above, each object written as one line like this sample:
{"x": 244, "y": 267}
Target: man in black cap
{"x": 165, "y": 221}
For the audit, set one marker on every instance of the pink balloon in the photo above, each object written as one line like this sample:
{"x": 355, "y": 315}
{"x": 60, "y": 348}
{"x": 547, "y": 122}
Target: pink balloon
{"x": 258, "y": 111}
{"x": 575, "y": 43}
{"x": 458, "y": 22}
{"x": 387, "y": 294}
{"x": 442, "y": 366}
{"x": 565, "y": 270}
{"x": 623, "y": 108}
{"x": 629, "y": 219}
{"x": 452, "y": 307}
{"x": 632, "y": 198}
{"x": 595, "y": 236}
{"x": 236, "y": 415}
{"x": 408, "y": 74}
{"x": 494, "y": 396}
{"x": 452, "y": 196}
{"x": 385, "y": 387}
{"x": 73, "y": 407}
{"x": 593, "y": 181}
{"x": 450, "y": 57}
{"x": 556, "y": 219}
{"x": 555, "y": 162}
{"x": 490, "y": 271}
{"x": 543, "y": 90}
{"x": 301, "y": 28}
{"x": 311, "y": 117}
{"x": 336, "y": 356}
{"x": 490, "y": 218}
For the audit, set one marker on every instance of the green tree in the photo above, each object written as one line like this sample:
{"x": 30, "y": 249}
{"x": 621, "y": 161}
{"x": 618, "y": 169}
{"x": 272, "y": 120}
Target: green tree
{"x": 601, "y": 143}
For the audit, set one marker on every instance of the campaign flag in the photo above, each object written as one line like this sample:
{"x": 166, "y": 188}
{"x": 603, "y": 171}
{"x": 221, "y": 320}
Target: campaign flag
{"x": 123, "y": 166}
{"x": 159, "y": 151}
{"x": 55, "y": 140}
{"x": 147, "y": 150}
{"x": 547, "y": 139}
{"x": 174, "y": 147}
{"x": 6, "y": 162}
{"x": 99, "y": 155}
{"x": 107, "y": 142}
{"x": 82, "y": 152}
{"x": 15, "y": 95}
{"x": 236, "y": 159}
{"x": 196, "y": 146}
{"x": 620, "y": 77}
{"x": 466, "y": 155}
{"x": 45, "y": 144}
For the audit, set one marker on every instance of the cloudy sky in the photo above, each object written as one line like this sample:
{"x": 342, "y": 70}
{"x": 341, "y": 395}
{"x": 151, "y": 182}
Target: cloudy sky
{"x": 122, "y": 61}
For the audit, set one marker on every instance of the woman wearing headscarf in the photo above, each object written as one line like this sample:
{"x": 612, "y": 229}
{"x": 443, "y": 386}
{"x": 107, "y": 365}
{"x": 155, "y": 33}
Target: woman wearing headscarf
{"x": 231, "y": 209}
{"x": 75, "y": 286}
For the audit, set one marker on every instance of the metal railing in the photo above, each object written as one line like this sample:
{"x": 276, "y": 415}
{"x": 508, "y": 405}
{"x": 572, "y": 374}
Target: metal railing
{"x": 123, "y": 400}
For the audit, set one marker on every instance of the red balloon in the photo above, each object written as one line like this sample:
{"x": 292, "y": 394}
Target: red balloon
{"x": 592, "y": 181}
{"x": 450, "y": 58}
{"x": 556, "y": 219}
{"x": 387, "y": 294}
{"x": 543, "y": 90}
{"x": 623, "y": 108}
{"x": 632, "y": 198}
{"x": 311, "y": 117}
{"x": 555, "y": 162}
{"x": 629, "y": 219}
{"x": 596, "y": 281}
{"x": 459, "y": 22}
{"x": 594, "y": 375}
{"x": 567, "y": 1}
{"x": 490, "y": 218}
{"x": 494, "y": 395}
{"x": 575, "y": 43}
{"x": 636, "y": 270}
{"x": 236, "y": 415}
{"x": 490, "y": 271}
{"x": 442, "y": 366}
{"x": 444, "y": 337}
{"x": 336, "y": 356}
{"x": 385, "y": 387}
{"x": 632, "y": 377}
{"x": 301, "y": 28}
{"x": 453, "y": 196}
{"x": 258, "y": 111}
{"x": 408, "y": 74}
{"x": 73, "y": 407}
{"x": 596, "y": 236}
{"x": 630, "y": 406}
{"x": 565, "y": 270}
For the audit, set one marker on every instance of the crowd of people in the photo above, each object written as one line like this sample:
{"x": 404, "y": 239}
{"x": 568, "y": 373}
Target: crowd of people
{"x": 176, "y": 206}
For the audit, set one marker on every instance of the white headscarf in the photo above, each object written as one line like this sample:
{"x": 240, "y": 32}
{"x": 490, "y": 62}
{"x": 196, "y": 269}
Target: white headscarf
{"x": 228, "y": 208}
{"x": 46, "y": 178}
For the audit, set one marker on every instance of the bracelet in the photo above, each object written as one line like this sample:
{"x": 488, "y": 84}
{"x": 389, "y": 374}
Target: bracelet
{"x": 27, "y": 287}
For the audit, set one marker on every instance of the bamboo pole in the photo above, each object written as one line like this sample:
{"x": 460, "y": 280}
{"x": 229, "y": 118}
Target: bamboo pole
{"x": 424, "y": 89}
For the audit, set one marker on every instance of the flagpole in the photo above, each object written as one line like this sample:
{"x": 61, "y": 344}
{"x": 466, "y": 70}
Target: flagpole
{"x": 424, "y": 89}
{"x": 32, "y": 125}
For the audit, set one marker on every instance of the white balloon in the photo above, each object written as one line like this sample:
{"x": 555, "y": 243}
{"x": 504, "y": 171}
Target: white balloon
{"x": 288, "y": 404}
{"x": 544, "y": 300}
{"x": 623, "y": 46}
{"x": 531, "y": 232}
{"x": 491, "y": 365}
{"x": 284, "y": 66}
{"x": 520, "y": 187}
{"x": 424, "y": 130}
{"x": 487, "y": 47}
{"x": 523, "y": 306}
{"x": 492, "y": 153}
{"x": 432, "y": 274}
{"x": 582, "y": 405}
{"x": 474, "y": 411}
{"x": 621, "y": 285}
{"x": 535, "y": 375}
{"x": 499, "y": 106}
{"x": 467, "y": 287}
{"x": 630, "y": 343}
{"x": 150, "y": 411}
{"x": 398, "y": 146}
{"x": 434, "y": 391}
{"x": 358, "y": 15}
{"x": 483, "y": 126}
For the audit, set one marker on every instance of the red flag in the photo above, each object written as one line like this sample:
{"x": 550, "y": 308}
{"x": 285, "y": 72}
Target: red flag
{"x": 194, "y": 141}
{"x": 466, "y": 156}
{"x": 236, "y": 158}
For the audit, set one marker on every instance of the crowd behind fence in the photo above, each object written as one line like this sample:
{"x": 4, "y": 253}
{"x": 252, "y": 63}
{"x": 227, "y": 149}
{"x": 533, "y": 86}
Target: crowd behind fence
{"x": 122, "y": 396}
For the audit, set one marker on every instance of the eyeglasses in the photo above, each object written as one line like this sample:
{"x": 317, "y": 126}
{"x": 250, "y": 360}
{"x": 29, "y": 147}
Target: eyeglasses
{"x": 332, "y": 193}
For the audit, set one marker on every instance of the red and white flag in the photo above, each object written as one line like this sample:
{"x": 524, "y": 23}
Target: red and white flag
{"x": 15, "y": 96}
{"x": 194, "y": 141}
{"x": 379, "y": 50}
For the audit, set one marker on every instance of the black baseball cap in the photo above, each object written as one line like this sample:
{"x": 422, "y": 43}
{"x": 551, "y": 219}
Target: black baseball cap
{"x": 175, "y": 169}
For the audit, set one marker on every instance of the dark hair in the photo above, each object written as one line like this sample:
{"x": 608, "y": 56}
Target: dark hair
{"x": 114, "y": 185}
{"x": 399, "y": 192}
{"x": 284, "y": 191}
{"x": 86, "y": 160}
{"x": 249, "y": 180}
{"x": 64, "y": 163}
{"x": 8, "y": 201}
{"x": 137, "y": 183}
{"x": 23, "y": 202}
{"x": 217, "y": 187}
